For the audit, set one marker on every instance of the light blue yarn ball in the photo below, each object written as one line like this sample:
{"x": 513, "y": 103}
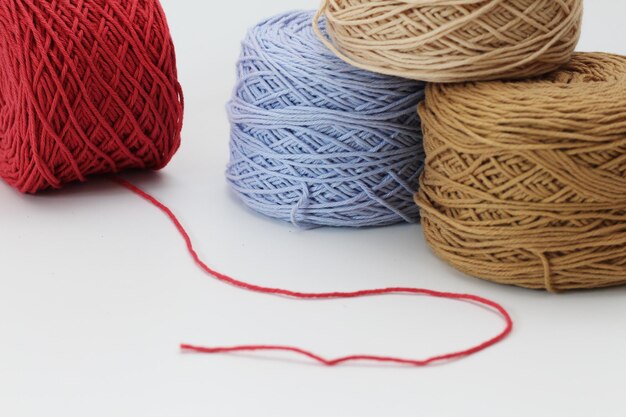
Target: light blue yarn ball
{"x": 317, "y": 142}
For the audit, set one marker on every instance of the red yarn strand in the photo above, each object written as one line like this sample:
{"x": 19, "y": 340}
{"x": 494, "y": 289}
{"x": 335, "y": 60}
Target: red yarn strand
{"x": 326, "y": 295}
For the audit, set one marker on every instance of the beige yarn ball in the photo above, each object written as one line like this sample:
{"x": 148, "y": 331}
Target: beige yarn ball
{"x": 453, "y": 40}
{"x": 525, "y": 181}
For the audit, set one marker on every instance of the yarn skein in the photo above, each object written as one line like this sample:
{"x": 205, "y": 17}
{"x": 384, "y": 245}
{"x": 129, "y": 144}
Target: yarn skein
{"x": 453, "y": 40}
{"x": 525, "y": 182}
{"x": 85, "y": 88}
{"x": 317, "y": 142}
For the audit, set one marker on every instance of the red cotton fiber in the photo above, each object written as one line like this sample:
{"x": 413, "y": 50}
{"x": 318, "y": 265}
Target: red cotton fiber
{"x": 86, "y": 87}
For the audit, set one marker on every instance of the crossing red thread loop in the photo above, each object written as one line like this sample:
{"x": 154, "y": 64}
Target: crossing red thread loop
{"x": 326, "y": 295}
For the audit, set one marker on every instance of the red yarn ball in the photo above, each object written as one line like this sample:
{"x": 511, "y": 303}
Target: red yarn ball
{"x": 86, "y": 87}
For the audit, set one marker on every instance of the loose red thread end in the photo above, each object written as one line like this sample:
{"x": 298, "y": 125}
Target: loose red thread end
{"x": 327, "y": 295}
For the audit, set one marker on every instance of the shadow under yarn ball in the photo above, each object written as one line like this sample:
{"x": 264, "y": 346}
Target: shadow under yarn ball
{"x": 317, "y": 142}
{"x": 525, "y": 182}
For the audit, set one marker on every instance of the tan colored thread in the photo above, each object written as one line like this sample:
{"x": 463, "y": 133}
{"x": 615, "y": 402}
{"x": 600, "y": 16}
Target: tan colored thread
{"x": 525, "y": 181}
{"x": 453, "y": 40}
{"x": 547, "y": 272}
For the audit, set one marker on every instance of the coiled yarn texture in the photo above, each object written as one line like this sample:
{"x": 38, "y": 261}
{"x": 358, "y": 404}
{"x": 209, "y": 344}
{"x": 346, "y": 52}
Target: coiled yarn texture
{"x": 85, "y": 88}
{"x": 525, "y": 182}
{"x": 454, "y": 40}
{"x": 317, "y": 142}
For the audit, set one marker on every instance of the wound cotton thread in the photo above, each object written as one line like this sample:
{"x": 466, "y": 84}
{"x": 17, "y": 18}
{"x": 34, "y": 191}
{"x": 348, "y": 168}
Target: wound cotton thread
{"x": 453, "y": 40}
{"x": 317, "y": 142}
{"x": 525, "y": 182}
{"x": 90, "y": 87}
{"x": 480, "y": 301}
{"x": 85, "y": 88}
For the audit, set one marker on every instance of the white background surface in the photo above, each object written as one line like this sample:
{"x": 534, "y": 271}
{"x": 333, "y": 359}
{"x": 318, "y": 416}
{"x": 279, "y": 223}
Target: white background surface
{"x": 96, "y": 291}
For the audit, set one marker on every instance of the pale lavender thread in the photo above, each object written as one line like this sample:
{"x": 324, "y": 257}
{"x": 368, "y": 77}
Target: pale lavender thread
{"x": 317, "y": 142}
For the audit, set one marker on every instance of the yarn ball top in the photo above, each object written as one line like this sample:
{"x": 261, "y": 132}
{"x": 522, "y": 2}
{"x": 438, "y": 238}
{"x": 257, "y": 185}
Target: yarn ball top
{"x": 454, "y": 40}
